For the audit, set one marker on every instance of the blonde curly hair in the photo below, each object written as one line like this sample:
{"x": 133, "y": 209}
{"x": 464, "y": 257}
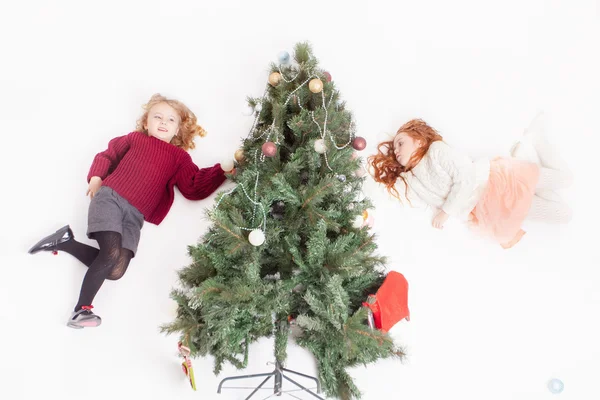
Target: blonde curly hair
{"x": 188, "y": 126}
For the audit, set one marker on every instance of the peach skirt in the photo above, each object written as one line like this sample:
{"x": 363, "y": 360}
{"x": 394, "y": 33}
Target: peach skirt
{"x": 506, "y": 201}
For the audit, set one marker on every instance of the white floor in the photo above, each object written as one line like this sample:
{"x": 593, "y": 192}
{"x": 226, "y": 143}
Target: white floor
{"x": 486, "y": 323}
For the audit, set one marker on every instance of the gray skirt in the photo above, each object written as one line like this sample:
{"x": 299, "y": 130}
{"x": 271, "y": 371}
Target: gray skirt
{"x": 110, "y": 212}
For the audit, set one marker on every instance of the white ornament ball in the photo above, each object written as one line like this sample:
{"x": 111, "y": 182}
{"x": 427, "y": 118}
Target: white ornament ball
{"x": 227, "y": 165}
{"x": 248, "y": 110}
{"x": 320, "y": 146}
{"x": 358, "y": 222}
{"x": 256, "y": 237}
{"x": 258, "y": 107}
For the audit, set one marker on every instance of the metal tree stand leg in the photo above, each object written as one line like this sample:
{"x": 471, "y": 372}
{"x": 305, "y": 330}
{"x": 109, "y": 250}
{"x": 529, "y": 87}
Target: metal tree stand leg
{"x": 278, "y": 374}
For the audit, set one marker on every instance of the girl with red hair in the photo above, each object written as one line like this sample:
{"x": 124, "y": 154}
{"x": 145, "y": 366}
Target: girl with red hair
{"x": 494, "y": 196}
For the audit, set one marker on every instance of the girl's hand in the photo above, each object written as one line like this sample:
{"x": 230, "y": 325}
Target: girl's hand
{"x": 440, "y": 219}
{"x": 94, "y": 185}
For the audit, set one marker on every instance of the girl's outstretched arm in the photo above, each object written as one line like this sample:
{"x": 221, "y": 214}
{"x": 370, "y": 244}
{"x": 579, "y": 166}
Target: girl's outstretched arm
{"x": 198, "y": 183}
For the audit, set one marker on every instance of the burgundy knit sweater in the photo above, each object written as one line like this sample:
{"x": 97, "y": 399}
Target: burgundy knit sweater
{"x": 144, "y": 170}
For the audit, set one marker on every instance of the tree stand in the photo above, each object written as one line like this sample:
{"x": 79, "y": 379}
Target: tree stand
{"x": 280, "y": 333}
{"x": 279, "y": 376}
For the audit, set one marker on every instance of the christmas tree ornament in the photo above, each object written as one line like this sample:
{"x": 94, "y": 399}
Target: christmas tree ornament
{"x": 277, "y": 210}
{"x": 359, "y": 143}
{"x": 327, "y": 76}
{"x": 351, "y": 206}
{"x": 369, "y": 219}
{"x": 341, "y": 178}
{"x": 365, "y": 219}
{"x": 358, "y": 222}
{"x": 347, "y": 189}
{"x": 284, "y": 57}
{"x": 320, "y": 146}
{"x": 256, "y": 237}
{"x": 248, "y": 110}
{"x": 186, "y": 365}
{"x": 258, "y": 107}
{"x": 269, "y": 149}
{"x": 239, "y": 155}
{"x": 274, "y": 78}
{"x": 227, "y": 165}
{"x": 556, "y": 386}
{"x": 315, "y": 85}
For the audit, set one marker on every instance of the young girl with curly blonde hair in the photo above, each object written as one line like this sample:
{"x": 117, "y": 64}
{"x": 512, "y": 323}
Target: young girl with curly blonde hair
{"x": 130, "y": 182}
{"x": 494, "y": 196}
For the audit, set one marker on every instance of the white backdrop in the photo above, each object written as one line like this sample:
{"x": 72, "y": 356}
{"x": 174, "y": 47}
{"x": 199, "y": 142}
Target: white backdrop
{"x": 486, "y": 323}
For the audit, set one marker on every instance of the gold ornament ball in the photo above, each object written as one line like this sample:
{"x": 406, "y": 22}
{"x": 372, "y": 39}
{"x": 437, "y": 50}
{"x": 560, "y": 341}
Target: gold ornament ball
{"x": 315, "y": 85}
{"x": 239, "y": 155}
{"x": 274, "y": 78}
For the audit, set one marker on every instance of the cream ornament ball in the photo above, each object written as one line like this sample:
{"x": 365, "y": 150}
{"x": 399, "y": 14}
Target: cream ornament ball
{"x": 358, "y": 222}
{"x": 320, "y": 146}
{"x": 274, "y": 78}
{"x": 256, "y": 237}
{"x": 239, "y": 155}
{"x": 315, "y": 85}
{"x": 227, "y": 165}
{"x": 365, "y": 219}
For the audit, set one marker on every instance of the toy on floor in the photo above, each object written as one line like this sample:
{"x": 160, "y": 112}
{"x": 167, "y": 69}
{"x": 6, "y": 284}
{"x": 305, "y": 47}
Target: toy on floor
{"x": 186, "y": 365}
{"x": 390, "y": 305}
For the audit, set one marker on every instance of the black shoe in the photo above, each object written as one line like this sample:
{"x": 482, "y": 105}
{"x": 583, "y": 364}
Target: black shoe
{"x": 50, "y": 242}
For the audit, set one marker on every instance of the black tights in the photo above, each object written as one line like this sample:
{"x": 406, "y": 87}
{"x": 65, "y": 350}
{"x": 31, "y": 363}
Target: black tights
{"x": 108, "y": 262}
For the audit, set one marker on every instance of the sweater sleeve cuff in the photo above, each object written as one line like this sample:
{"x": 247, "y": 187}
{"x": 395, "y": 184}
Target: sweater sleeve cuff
{"x": 218, "y": 174}
{"x": 450, "y": 208}
{"x": 97, "y": 169}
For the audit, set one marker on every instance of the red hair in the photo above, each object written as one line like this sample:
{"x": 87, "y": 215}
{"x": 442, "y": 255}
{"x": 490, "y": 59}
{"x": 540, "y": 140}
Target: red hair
{"x": 387, "y": 169}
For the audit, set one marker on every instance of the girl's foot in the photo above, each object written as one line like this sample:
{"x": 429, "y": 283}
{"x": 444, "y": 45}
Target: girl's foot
{"x": 84, "y": 318}
{"x": 524, "y": 148}
{"x": 50, "y": 243}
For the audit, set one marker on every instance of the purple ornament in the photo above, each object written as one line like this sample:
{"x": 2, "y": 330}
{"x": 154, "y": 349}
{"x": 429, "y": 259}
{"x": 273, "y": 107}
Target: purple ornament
{"x": 359, "y": 143}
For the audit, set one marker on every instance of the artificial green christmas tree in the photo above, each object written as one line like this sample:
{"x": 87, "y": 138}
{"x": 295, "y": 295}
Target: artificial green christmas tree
{"x": 288, "y": 243}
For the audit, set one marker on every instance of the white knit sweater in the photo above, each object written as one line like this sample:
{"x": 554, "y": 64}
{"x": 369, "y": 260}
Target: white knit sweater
{"x": 447, "y": 180}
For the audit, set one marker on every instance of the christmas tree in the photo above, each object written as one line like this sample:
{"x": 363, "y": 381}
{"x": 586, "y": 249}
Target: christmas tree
{"x": 291, "y": 241}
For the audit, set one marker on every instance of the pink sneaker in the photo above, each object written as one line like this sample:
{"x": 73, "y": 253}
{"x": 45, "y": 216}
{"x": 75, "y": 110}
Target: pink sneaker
{"x": 84, "y": 318}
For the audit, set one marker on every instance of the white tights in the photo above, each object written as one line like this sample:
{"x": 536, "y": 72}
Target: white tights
{"x": 547, "y": 205}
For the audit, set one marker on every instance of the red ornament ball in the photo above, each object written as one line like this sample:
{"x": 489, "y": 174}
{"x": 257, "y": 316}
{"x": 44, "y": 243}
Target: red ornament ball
{"x": 327, "y": 76}
{"x": 359, "y": 143}
{"x": 269, "y": 149}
